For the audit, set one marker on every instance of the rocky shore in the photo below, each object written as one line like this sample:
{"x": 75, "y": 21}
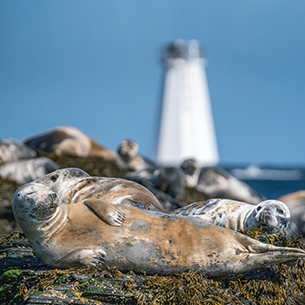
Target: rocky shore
{"x": 26, "y": 280}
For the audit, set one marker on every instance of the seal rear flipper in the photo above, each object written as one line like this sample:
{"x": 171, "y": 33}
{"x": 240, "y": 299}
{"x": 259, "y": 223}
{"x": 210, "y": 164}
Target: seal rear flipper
{"x": 80, "y": 257}
{"x": 257, "y": 261}
{"x": 262, "y": 255}
{"x": 108, "y": 212}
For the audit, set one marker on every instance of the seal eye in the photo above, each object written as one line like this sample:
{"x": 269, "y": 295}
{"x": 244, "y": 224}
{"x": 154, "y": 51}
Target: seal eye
{"x": 31, "y": 194}
{"x": 258, "y": 208}
{"x": 54, "y": 178}
{"x": 281, "y": 212}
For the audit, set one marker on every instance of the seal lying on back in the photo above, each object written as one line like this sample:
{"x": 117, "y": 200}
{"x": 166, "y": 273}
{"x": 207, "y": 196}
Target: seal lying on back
{"x": 66, "y": 235}
{"x": 71, "y": 141}
{"x": 73, "y": 185}
{"x": 271, "y": 215}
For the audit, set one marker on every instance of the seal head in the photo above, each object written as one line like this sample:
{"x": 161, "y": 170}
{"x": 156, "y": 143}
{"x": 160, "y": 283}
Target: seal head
{"x": 62, "y": 180}
{"x": 128, "y": 150}
{"x": 35, "y": 203}
{"x": 271, "y": 215}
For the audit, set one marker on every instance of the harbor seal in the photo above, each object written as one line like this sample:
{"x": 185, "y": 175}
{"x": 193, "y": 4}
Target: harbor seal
{"x": 73, "y": 185}
{"x": 129, "y": 152}
{"x": 296, "y": 204}
{"x": 12, "y": 150}
{"x": 24, "y": 171}
{"x": 170, "y": 180}
{"x": 146, "y": 179}
{"x": 68, "y": 140}
{"x": 167, "y": 183}
{"x": 67, "y": 235}
{"x": 191, "y": 170}
{"x": 272, "y": 215}
{"x": 218, "y": 183}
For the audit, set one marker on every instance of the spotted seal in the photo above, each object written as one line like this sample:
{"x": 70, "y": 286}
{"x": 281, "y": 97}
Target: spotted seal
{"x": 24, "y": 171}
{"x": 71, "y": 141}
{"x": 165, "y": 187}
{"x": 168, "y": 179}
{"x": 92, "y": 232}
{"x": 73, "y": 185}
{"x": 167, "y": 183}
{"x": 272, "y": 215}
{"x": 216, "y": 182}
{"x": 129, "y": 152}
{"x": 296, "y": 204}
{"x": 191, "y": 169}
{"x": 13, "y": 150}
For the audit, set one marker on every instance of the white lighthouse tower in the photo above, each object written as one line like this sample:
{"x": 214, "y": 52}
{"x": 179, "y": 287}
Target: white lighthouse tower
{"x": 186, "y": 127}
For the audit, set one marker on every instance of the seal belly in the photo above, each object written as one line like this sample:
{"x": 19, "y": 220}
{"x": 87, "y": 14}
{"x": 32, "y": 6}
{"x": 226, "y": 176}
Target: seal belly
{"x": 167, "y": 246}
{"x": 155, "y": 244}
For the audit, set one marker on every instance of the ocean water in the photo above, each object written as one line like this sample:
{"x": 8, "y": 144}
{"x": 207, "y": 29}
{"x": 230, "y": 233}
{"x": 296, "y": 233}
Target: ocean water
{"x": 274, "y": 189}
{"x": 273, "y": 182}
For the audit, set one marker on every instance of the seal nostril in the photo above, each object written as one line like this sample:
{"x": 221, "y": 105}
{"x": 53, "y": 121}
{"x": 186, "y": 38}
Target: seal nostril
{"x": 53, "y": 196}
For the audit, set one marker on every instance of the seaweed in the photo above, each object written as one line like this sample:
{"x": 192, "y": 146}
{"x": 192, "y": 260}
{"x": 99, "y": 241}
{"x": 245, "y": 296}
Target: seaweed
{"x": 25, "y": 279}
{"x": 278, "y": 284}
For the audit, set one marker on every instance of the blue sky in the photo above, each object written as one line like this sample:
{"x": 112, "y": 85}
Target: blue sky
{"x": 96, "y": 65}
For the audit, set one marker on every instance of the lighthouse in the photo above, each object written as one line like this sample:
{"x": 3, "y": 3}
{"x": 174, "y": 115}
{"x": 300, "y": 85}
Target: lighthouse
{"x": 186, "y": 127}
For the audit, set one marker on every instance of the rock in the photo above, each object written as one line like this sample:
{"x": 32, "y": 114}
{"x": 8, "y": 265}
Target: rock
{"x": 28, "y": 281}
{"x": 7, "y": 220}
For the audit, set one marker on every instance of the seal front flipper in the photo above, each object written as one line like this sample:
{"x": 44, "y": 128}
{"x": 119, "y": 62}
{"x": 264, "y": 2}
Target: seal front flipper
{"x": 110, "y": 213}
{"x": 80, "y": 257}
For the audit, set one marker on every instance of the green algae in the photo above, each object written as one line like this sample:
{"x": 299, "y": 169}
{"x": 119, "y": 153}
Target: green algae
{"x": 9, "y": 292}
{"x": 10, "y": 274}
